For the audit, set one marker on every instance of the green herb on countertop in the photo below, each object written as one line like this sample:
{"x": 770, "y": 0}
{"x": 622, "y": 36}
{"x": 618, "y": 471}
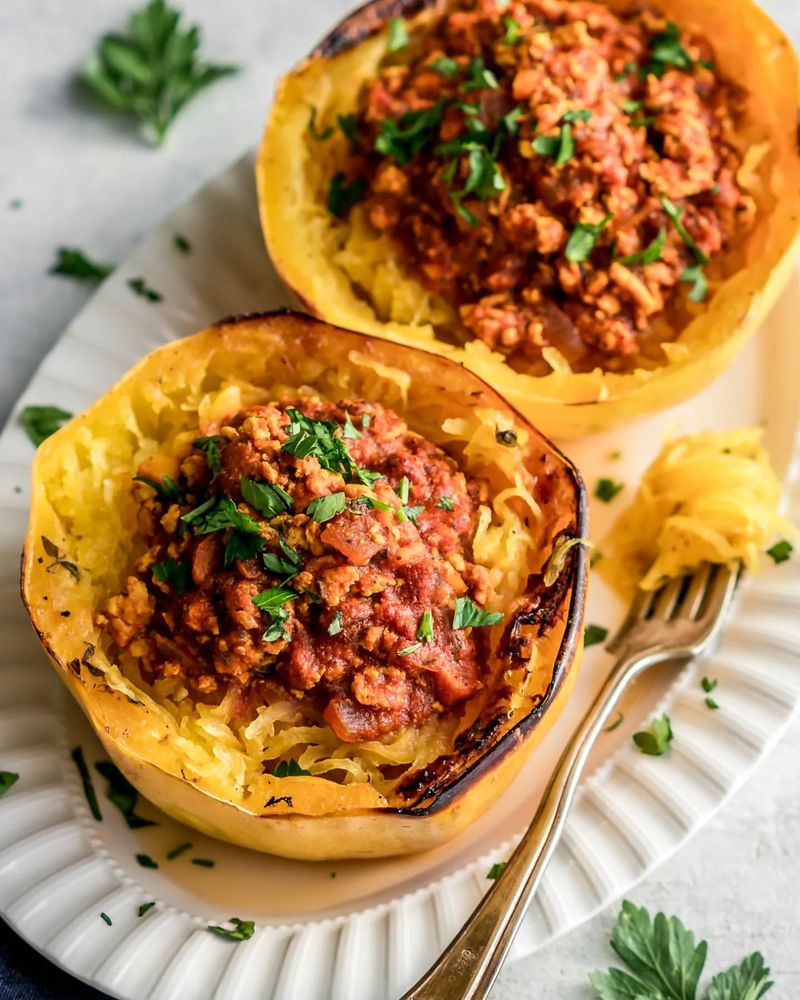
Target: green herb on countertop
{"x": 105, "y": 918}
{"x": 203, "y": 862}
{"x": 153, "y": 70}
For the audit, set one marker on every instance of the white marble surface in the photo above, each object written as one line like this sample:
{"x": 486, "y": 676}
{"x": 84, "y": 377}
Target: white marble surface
{"x": 86, "y": 179}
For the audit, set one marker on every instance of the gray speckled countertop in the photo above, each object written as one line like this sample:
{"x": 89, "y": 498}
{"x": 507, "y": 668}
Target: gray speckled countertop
{"x": 86, "y": 180}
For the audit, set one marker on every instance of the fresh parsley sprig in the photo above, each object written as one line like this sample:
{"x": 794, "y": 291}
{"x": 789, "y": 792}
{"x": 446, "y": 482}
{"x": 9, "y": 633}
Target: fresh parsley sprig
{"x": 153, "y": 70}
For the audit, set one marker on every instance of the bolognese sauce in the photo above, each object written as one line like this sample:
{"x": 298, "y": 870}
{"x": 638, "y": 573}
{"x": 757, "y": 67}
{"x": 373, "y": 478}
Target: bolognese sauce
{"x": 562, "y": 172}
{"x": 311, "y": 549}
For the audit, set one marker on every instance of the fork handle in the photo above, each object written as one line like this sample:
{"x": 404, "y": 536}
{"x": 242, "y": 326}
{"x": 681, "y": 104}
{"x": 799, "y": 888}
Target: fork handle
{"x": 469, "y": 966}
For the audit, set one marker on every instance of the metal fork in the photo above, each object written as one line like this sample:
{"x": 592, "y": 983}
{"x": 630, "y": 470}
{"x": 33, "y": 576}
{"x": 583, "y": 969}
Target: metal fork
{"x": 676, "y": 623}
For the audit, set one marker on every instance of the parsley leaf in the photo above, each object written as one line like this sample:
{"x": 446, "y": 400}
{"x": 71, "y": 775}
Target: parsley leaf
{"x": 665, "y": 962}
{"x": 674, "y": 213}
{"x": 479, "y": 77}
{"x": 496, "y": 870}
{"x": 153, "y": 70}
{"x": 7, "y": 779}
{"x": 106, "y": 919}
{"x": 342, "y": 197}
{"x": 242, "y": 930}
{"x": 666, "y": 50}
{"x": 177, "y": 574}
{"x": 181, "y": 243}
{"x": 409, "y": 649}
{"x": 650, "y": 254}
{"x": 425, "y": 630}
{"x": 218, "y": 514}
{"x": 747, "y": 981}
{"x": 349, "y": 430}
{"x": 322, "y": 509}
{"x": 780, "y": 551}
{"x": 274, "y": 598}
{"x": 145, "y": 908}
{"x": 287, "y": 565}
{"x": 445, "y": 66}
{"x": 708, "y": 685}
{"x": 446, "y": 503}
{"x": 405, "y": 136}
{"x": 616, "y": 723}
{"x": 210, "y": 445}
{"x": 314, "y": 132}
{"x": 166, "y": 488}
{"x": 203, "y": 862}
{"x": 582, "y": 240}
{"x": 513, "y": 30}
{"x": 335, "y": 626}
{"x": 146, "y": 861}
{"x": 319, "y": 438}
{"x": 398, "y": 35}
{"x": 42, "y": 421}
{"x": 594, "y": 634}
{"x": 289, "y": 769}
{"x": 121, "y": 793}
{"x": 349, "y": 128}
{"x": 655, "y": 740}
{"x": 561, "y": 147}
{"x": 695, "y": 275}
{"x": 73, "y": 263}
{"x": 140, "y": 286}
{"x": 269, "y": 499}
{"x": 710, "y": 703}
{"x": 467, "y": 614}
{"x": 607, "y": 489}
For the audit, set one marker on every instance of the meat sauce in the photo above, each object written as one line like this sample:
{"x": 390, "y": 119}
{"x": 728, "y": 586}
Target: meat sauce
{"x": 560, "y": 172}
{"x": 313, "y": 550}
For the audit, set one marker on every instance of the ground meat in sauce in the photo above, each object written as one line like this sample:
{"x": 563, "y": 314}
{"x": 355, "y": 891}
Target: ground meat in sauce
{"x": 610, "y": 113}
{"x": 364, "y": 634}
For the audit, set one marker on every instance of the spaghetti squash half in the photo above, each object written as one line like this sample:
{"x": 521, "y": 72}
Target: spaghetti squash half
{"x": 591, "y": 205}
{"x": 322, "y": 594}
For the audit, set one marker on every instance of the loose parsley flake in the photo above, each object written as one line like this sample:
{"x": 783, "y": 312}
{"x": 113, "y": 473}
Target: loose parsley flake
{"x": 7, "y": 779}
{"x": 42, "y": 421}
{"x": 594, "y": 634}
{"x": 86, "y": 781}
{"x": 244, "y": 540}
{"x": 655, "y": 740}
{"x": 348, "y": 124}
{"x": 121, "y": 793}
{"x": 695, "y": 276}
{"x": 153, "y": 70}
{"x": 166, "y": 488}
{"x": 467, "y": 614}
{"x": 177, "y": 851}
{"x": 479, "y": 77}
{"x": 287, "y": 565}
{"x": 674, "y": 213}
{"x": 242, "y": 930}
{"x": 650, "y": 254}
{"x": 708, "y": 685}
{"x": 74, "y": 263}
{"x": 145, "y": 908}
{"x": 398, "y": 35}
{"x": 780, "y": 551}
{"x": 322, "y": 509}
{"x": 607, "y": 489}
{"x": 446, "y": 503}
{"x": 401, "y": 138}
{"x": 616, "y": 723}
{"x": 710, "y": 703}
{"x": 105, "y": 918}
{"x": 665, "y": 51}
{"x": 344, "y": 195}
{"x": 445, "y": 66}
{"x": 335, "y": 626}
{"x": 316, "y": 135}
{"x": 561, "y": 147}
{"x": 289, "y": 769}
{"x": 269, "y": 499}
{"x": 582, "y": 240}
{"x": 513, "y": 30}
{"x": 496, "y": 870}
{"x": 140, "y": 286}
{"x": 349, "y": 430}
{"x": 146, "y": 861}
{"x": 425, "y": 630}
{"x": 409, "y": 649}
{"x": 182, "y": 244}
{"x": 177, "y": 574}
{"x": 203, "y": 862}
{"x": 274, "y": 598}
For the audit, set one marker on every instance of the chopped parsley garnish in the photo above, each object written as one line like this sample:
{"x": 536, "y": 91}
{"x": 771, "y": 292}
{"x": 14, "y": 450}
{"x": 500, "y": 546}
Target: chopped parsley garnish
{"x": 322, "y": 509}
{"x": 42, "y": 421}
{"x": 674, "y": 212}
{"x": 446, "y": 503}
{"x": 406, "y": 513}
{"x": 59, "y": 559}
{"x": 177, "y": 851}
{"x": 121, "y": 793}
{"x": 86, "y": 781}
{"x": 210, "y": 445}
{"x": 287, "y": 565}
{"x": 335, "y": 626}
{"x": 496, "y": 870}
{"x": 166, "y": 488}
{"x": 664, "y": 963}
{"x": 695, "y": 276}
{"x": 467, "y": 614}
{"x": 373, "y": 502}
{"x": 607, "y": 489}
{"x": 73, "y": 263}
{"x": 146, "y": 861}
{"x": 627, "y": 69}
{"x": 409, "y": 649}
{"x": 348, "y": 125}
{"x": 244, "y": 540}
{"x": 594, "y": 634}
{"x": 650, "y": 254}
{"x": 177, "y": 574}
{"x": 507, "y": 438}
{"x": 780, "y": 551}
{"x": 405, "y": 136}
{"x": 203, "y": 862}
{"x": 583, "y": 238}
{"x": 445, "y": 66}
{"x": 145, "y": 908}
{"x": 142, "y": 289}
{"x": 105, "y": 918}
{"x": 655, "y": 740}
{"x": 9, "y": 778}
{"x": 271, "y": 602}
{"x": 314, "y": 132}
{"x": 561, "y": 147}
{"x": 398, "y": 35}
{"x": 181, "y": 243}
{"x": 616, "y": 723}
{"x": 269, "y": 499}
{"x": 665, "y": 51}
{"x": 349, "y": 430}
{"x": 710, "y": 703}
{"x": 320, "y": 439}
{"x": 479, "y": 77}
{"x": 242, "y": 930}
{"x": 425, "y": 630}
{"x": 344, "y": 195}
{"x": 289, "y": 769}
{"x": 153, "y": 70}
{"x": 630, "y": 107}
{"x": 708, "y": 685}
{"x": 513, "y": 30}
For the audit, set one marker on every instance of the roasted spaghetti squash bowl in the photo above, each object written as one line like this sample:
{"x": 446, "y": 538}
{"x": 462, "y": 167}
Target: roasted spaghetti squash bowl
{"x": 259, "y": 765}
{"x": 349, "y": 265}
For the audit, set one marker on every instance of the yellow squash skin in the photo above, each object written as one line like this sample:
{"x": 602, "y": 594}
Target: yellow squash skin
{"x": 306, "y": 244}
{"x": 82, "y": 502}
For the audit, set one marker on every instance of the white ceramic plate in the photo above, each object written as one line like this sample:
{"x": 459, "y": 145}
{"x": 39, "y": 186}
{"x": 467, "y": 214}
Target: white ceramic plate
{"x": 357, "y": 930}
